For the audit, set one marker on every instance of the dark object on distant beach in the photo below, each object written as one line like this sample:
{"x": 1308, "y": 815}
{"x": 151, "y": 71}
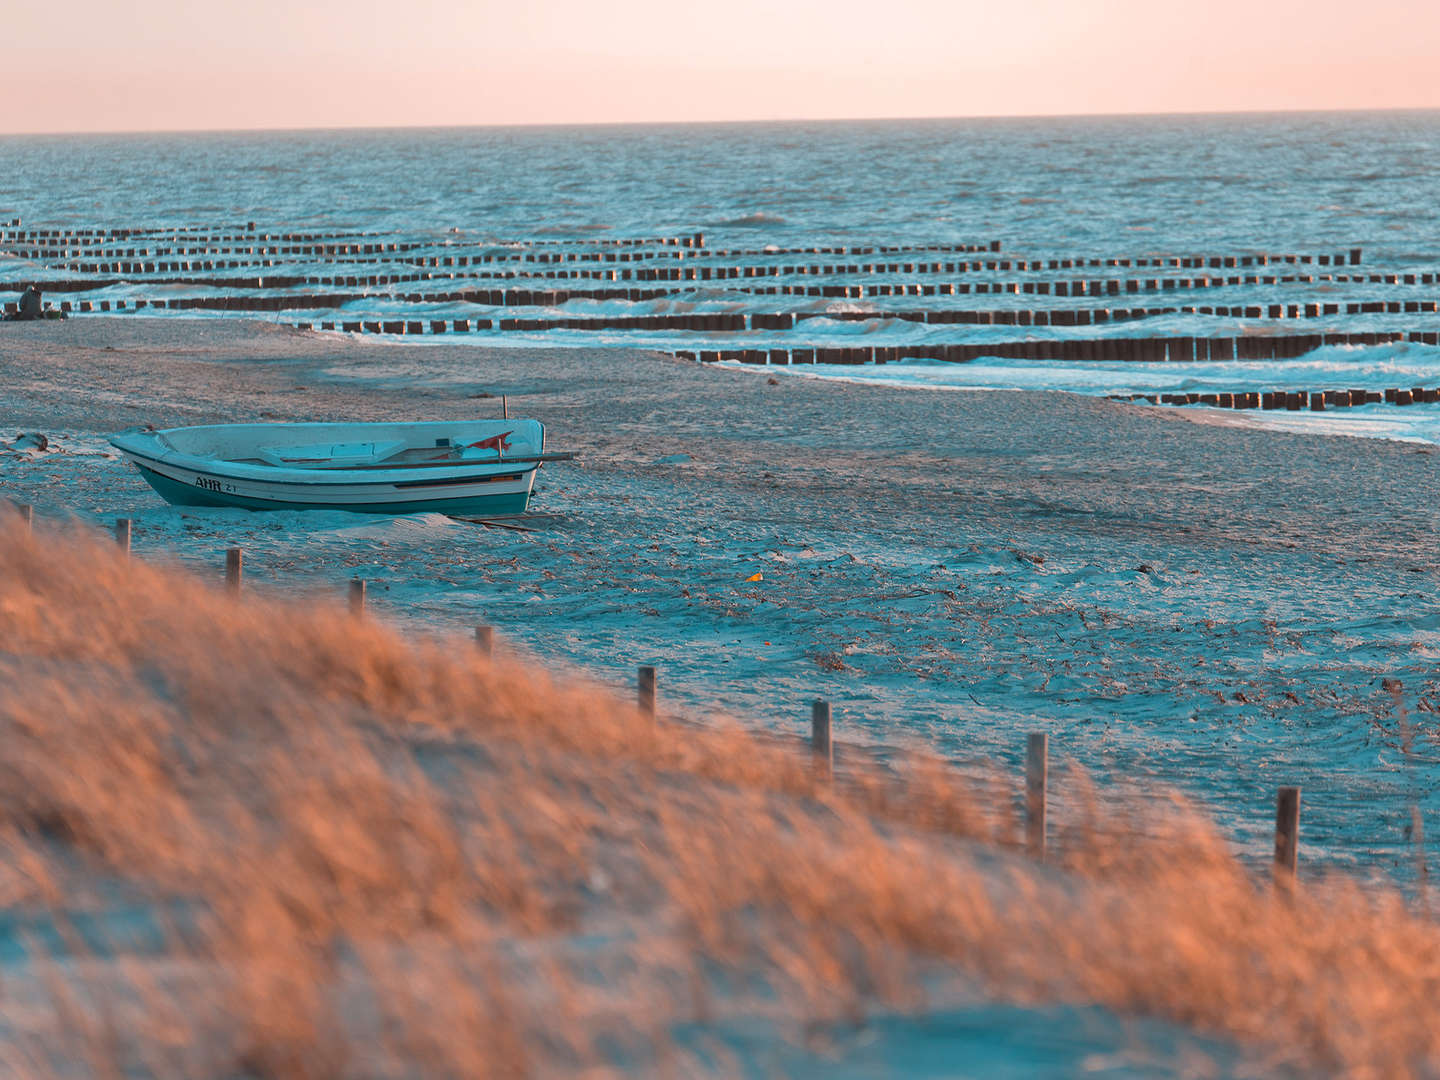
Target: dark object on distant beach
{"x": 30, "y": 305}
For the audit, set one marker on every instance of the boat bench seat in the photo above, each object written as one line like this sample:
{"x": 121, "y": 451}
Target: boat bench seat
{"x": 331, "y": 455}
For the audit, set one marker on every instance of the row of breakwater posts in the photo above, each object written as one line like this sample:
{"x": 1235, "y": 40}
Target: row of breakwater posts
{"x": 1293, "y": 400}
{"x": 1098, "y": 350}
{"x": 755, "y": 303}
{"x": 210, "y": 237}
{"x": 212, "y": 247}
{"x": 1075, "y": 290}
{"x": 822, "y": 742}
{"x": 115, "y": 253}
{"x": 1079, "y": 287}
{"x": 46, "y": 244}
{"x": 732, "y": 322}
{"x": 190, "y": 251}
{"x": 173, "y": 275}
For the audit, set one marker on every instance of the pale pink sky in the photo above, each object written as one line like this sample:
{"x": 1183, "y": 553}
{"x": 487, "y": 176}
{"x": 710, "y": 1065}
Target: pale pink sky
{"x": 103, "y": 65}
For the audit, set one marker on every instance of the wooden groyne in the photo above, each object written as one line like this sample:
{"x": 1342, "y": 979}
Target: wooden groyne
{"x": 755, "y": 304}
{"x": 1096, "y": 350}
{"x": 777, "y": 320}
{"x": 1293, "y": 400}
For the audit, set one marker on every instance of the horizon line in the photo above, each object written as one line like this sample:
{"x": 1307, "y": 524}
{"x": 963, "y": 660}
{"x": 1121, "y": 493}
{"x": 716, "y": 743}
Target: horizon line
{"x": 515, "y": 125}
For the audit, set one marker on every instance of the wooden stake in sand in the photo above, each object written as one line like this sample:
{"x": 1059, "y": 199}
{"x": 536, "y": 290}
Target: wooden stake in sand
{"x": 122, "y": 535}
{"x": 357, "y": 597}
{"x": 233, "y": 569}
{"x": 1037, "y": 755}
{"x": 485, "y": 641}
{"x": 822, "y": 747}
{"x": 27, "y": 514}
{"x": 646, "y": 696}
{"x": 1287, "y": 834}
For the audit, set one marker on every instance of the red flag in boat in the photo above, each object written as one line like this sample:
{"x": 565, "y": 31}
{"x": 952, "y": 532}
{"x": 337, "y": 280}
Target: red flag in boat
{"x": 498, "y": 443}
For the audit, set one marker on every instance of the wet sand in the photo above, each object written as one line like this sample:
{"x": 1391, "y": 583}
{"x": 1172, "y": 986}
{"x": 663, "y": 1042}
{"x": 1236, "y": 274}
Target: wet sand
{"x": 1210, "y": 606}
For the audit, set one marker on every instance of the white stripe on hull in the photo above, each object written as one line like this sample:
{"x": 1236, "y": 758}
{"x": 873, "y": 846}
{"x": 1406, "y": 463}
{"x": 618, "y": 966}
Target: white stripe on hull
{"x": 339, "y": 495}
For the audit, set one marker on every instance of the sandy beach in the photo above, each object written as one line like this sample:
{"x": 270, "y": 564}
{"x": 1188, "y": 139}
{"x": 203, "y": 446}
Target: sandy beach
{"x": 1221, "y": 609}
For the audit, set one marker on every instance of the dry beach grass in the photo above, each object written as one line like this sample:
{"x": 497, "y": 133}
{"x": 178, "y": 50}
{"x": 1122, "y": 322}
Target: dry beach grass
{"x": 244, "y": 838}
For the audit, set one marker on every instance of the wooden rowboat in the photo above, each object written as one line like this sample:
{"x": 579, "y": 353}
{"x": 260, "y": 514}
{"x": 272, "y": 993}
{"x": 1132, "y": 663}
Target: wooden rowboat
{"x": 484, "y": 467}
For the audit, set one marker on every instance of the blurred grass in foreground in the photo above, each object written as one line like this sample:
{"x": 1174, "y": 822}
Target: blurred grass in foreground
{"x": 245, "y": 837}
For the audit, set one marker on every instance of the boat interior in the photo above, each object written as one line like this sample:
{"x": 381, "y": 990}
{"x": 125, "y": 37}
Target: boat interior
{"x": 360, "y": 446}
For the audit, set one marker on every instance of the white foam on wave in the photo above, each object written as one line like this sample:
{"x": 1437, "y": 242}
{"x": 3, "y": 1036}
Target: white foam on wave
{"x": 1329, "y": 368}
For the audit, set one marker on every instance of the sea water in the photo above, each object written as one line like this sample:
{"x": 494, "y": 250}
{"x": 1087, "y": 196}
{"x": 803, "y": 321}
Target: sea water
{"x": 1300, "y": 181}
{"x": 1107, "y": 187}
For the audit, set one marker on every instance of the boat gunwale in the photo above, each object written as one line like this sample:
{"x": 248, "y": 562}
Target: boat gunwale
{"x": 476, "y": 472}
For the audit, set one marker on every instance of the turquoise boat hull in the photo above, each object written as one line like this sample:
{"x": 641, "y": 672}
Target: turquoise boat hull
{"x": 183, "y": 494}
{"x": 476, "y": 467}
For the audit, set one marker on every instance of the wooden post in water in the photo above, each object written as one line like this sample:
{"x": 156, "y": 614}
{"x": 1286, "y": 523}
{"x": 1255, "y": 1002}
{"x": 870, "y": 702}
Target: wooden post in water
{"x": 122, "y": 535}
{"x": 485, "y": 640}
{"x": 1287, "y": 834}
{"x": 822, "y": 747}
{"x": 1037, "y": 753}
{"x": 233, "y": 560}
{"x": 645, "y": 696}
{"x": 357, "y": 597}
{"x": 504, "y": 407}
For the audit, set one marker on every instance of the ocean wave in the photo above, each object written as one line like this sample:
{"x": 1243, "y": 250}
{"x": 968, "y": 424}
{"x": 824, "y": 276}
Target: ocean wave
{"x": 1201, "y": 178}
{"x": 750, "y": 221}
{"x": 567, "y": 230}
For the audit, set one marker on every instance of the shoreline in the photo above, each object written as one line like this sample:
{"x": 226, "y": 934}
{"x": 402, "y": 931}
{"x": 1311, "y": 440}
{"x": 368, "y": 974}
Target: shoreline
{"x": 950, "y": 570}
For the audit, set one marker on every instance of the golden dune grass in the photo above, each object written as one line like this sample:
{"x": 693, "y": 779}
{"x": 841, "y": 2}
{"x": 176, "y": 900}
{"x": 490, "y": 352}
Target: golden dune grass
{"x": 358, "y": 855}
